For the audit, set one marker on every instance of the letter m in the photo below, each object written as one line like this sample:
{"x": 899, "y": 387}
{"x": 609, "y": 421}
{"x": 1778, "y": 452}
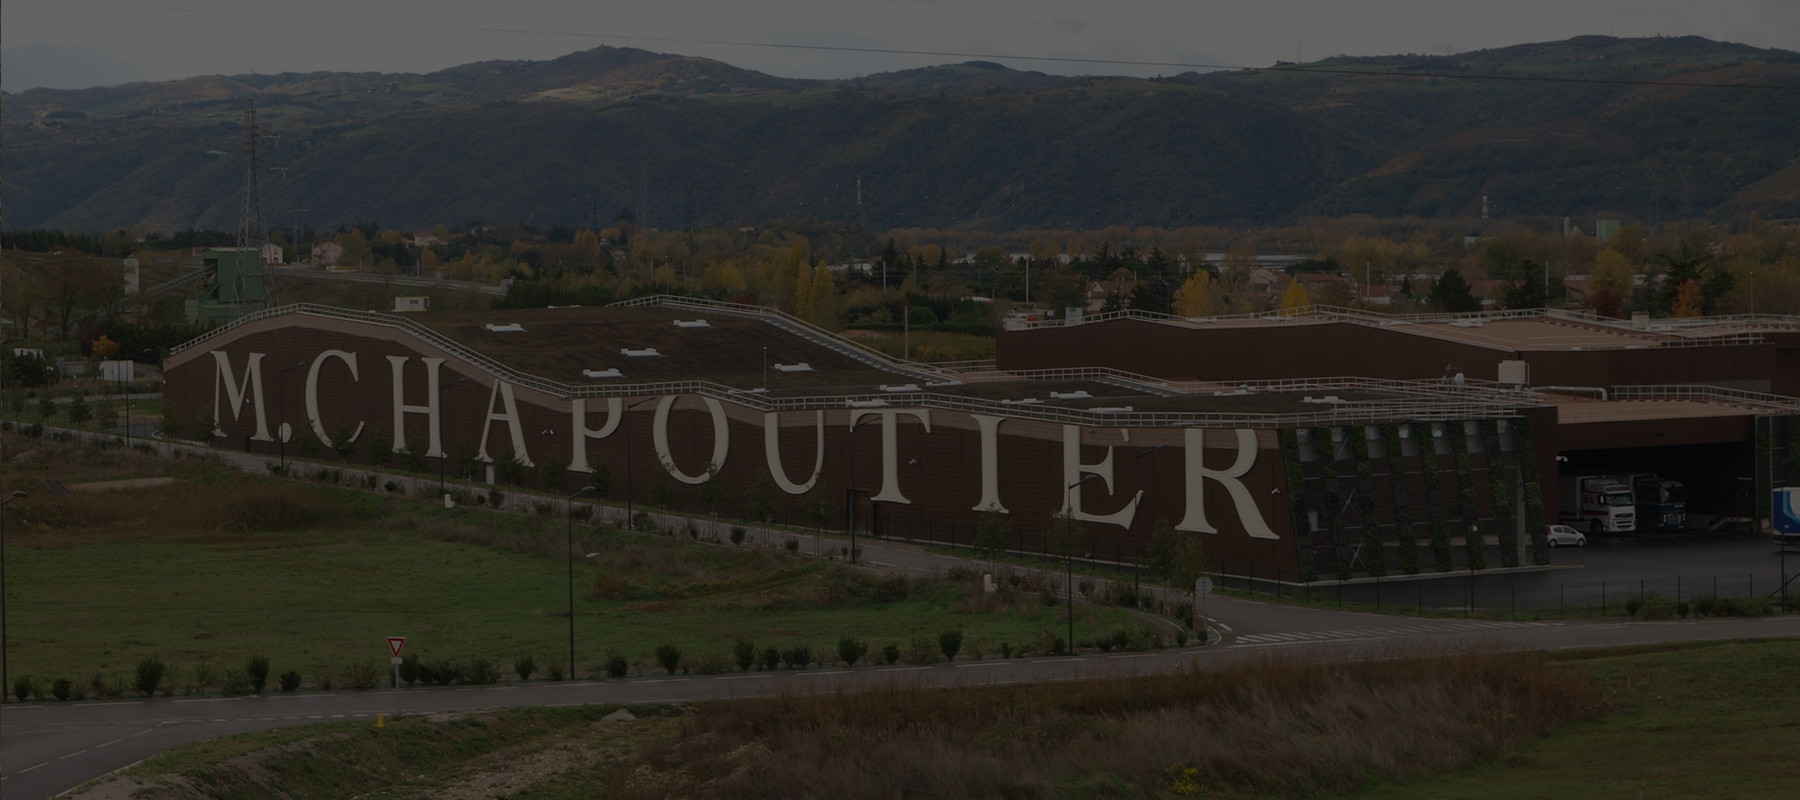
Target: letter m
{"x": 237, "y": 394}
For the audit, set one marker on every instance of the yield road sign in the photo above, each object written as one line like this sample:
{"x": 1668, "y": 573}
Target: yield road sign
{"x": 395, "y": 643}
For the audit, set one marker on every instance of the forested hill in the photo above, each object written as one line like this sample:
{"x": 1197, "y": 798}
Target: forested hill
{"x": 686, "y": 141}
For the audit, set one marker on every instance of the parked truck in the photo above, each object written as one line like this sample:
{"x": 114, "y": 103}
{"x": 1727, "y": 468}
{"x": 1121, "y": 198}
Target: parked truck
{"x": 1661, "y": 503}
{"x": 1597, "y": 504}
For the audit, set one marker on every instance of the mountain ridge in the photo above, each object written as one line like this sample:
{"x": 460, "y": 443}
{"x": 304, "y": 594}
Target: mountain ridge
{"x": 687, "y": 141}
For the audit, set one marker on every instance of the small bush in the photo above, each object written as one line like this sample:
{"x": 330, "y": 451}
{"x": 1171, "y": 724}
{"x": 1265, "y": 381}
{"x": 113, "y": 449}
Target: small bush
{"x": 290, "y": 681}
{"x": 553, "y": 669}
{"x": 737, "y": 534}
{"x": 1705, "y": 605}
{"x": 797, "y": 657}
{"x": 745, "y": 653}
{"x": 1059, "y": 647}
{"x": 62, "y": 689}
{"x": 439, "y": 672}
{"x": 1632, "y": 604}
{"x": 950, "y": 643}
{"x": 256, "y": 669}
{"x": 392, "y": 487}
{"x": 523, "y": 666}
{"x": 362, "y": 676}
{"x": 482, "y": 671}
{"x": 890, "y": 654}
{"x": 642, "y": 521}
{"x": 793, "y": 545}
{"x": 1683, "y": 609}
{"x": 409, "y": 669}
{"x": 669, "y": 657}
{"x": 771, "y": 658}
{"x": 235, "y": 683}
{"x": 150, "y": 672}
{"x": 1006, "y": 650}
{"x": 618, "y": 667}
{"x": 851, "y": 650}
{"x": 23, "y": 687}
{"x": 1743, "y": 606}
{"x": 712, "y": 664}
{"x": 922, "y": 651}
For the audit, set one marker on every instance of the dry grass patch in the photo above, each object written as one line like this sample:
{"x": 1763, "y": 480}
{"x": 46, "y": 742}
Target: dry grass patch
{"x": 1276, "y": 727}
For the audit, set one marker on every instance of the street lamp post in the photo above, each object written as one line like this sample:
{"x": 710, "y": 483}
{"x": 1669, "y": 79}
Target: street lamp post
{"x": 125, "y": 379}
{"x": 1068, "y": 545}
{"x": 850, "y": 493}
{"x": 5, "y": 676}
{"x": 1137, "y": 558}
{"x": 630, "y": 521}
{"x": 284, "y": 431}
{"x": 569, "y": 511}
{"x": 443, "y": 455}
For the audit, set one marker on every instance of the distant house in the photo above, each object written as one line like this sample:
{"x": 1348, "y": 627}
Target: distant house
{"x": 272, "y": 255}
{"x": 1489, "y": 290}
{"x": 1098, "y": 291}
{"x": 412, "y": 303}
{"x": 327, "y": 253}
{"x": 1267, "y": 281}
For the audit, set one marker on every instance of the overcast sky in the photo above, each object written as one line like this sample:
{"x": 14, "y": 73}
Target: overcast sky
{"x": 79, "y": 43}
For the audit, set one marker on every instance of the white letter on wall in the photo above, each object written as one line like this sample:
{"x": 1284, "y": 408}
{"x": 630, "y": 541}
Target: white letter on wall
{"x": 503, "y": 392}
{"x": 1197, "y": 474}
{"x": 312, "y": 393}
{"x": 890, "y": 448}
{"x": 659, "y": 434}
{"x": 430, "y": 409}
{"x": 772, "y": 453}
{"x": 990, "y": 462}
{"x": 1073, "y": 469}
{"x": 235, "y": 392}
{"x": 580, "y": 432}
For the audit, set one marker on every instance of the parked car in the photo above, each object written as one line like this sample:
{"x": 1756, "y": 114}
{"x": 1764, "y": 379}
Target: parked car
{"x": 1565, "y": 536}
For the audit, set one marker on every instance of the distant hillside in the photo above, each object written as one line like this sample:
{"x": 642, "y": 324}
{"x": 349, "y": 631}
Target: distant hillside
{"x": 691, "y": 141}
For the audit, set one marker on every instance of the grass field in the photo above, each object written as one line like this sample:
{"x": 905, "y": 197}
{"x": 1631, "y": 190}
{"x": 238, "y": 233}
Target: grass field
{"x": 221, "y": 566}
{"x": 1705, "y": 721}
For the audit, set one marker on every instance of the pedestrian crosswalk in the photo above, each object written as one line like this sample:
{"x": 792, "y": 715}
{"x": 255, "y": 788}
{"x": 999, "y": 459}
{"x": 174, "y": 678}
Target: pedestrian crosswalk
{"x": 1421, "y": 629}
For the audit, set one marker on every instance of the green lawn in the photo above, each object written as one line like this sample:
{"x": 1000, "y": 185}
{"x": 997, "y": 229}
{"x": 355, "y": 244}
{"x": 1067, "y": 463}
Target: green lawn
{"x": 221, "y": 566}
{"x": 1708, "y": 721}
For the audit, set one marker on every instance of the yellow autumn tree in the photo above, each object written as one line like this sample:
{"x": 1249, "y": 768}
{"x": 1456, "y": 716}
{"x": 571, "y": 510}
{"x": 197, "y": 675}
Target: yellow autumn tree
{"x": 1197, "y": 295}
{"x": 105, "y": 348}
{"x": 1612, "y": 271}
{"x": 1295, "y": 297}
{"x": 1688, "y": 300}
{"x": 822, "y": 304}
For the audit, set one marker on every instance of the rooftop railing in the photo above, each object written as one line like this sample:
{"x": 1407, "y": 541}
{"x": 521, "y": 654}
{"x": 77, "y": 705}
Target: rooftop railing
{"x": 1709, "y": 394}
{"x": 1666, "y": 332}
